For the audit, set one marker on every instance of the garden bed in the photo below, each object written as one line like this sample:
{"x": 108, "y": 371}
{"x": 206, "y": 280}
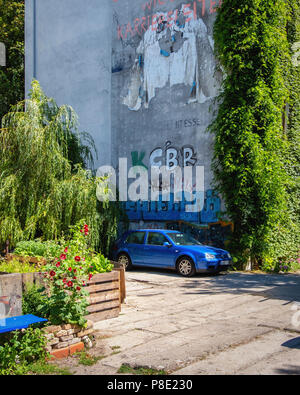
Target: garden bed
{"x": 107, "y": 292}
{"x": 29, "y": 259}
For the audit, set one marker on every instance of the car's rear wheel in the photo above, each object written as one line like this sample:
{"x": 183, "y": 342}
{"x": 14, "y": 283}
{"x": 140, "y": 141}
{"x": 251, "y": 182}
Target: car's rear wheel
{"x": 125, "y": 260}
{"x": 186, "y": 267}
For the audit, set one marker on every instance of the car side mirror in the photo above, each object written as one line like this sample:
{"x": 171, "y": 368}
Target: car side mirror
{"x": 167, "y": 244}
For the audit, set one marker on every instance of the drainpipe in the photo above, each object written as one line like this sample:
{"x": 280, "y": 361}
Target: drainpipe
{"x": 34, "y": 40}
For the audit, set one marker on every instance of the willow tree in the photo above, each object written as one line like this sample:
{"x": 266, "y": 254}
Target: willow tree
{"x": 44, "y": 187}
{"x": 252, "y": 146}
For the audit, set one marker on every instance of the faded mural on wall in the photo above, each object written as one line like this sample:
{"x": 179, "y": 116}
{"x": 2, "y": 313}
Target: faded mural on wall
{"x": 177, "y": 49}
{"x": 164, "y": 82}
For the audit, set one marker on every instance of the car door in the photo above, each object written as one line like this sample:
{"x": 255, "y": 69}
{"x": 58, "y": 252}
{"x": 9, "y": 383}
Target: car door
{"x": 135, "y": 246}
{"x": 156, "y": 253}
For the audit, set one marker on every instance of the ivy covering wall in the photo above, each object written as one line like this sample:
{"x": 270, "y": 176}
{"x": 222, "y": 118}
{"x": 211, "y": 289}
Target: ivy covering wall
{"x": 256, "y": 154}
{"x": 12, "y": 84}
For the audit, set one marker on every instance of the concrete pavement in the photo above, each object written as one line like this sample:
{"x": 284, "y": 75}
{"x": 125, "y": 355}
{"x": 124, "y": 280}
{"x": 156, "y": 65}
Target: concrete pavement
{"x": 237, "y": 323}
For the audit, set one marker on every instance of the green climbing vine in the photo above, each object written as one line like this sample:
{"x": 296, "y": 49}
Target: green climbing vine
{"x": 256, "y": 152}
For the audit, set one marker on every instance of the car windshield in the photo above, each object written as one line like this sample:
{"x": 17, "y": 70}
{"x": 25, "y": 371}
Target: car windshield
{"x": 183, "y": 239}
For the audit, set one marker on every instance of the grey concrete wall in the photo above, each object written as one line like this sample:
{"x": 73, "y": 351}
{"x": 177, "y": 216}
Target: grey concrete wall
{"x": 68, "y": 50}
{"x": 164, "y": 82}
{"x": 141, "y": 75}
{"x": 10, "y": 295}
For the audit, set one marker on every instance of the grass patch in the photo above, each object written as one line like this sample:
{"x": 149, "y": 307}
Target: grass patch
{"x": 115, "y": 348}
{"x": 43, "y": 368}
{"x": 87, "y": 359}
{"x": 125, "y": 369}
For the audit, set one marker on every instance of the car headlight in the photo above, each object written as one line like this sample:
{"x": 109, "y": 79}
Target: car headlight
{"x": 229, "y": 256}
{"x": 209, "y": 257}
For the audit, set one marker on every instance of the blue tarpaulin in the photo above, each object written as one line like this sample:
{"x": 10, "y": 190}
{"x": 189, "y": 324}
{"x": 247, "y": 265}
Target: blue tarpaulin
{"x": 20, "y": 322}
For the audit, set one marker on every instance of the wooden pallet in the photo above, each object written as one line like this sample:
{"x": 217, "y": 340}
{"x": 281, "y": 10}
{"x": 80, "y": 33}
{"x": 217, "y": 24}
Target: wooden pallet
{"x": 105, "y": 296}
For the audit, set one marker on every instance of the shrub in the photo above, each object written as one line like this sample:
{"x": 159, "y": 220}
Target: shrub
{"x": 68, "y": 276}
{"x": 15, "y": 266}
{"x": 38, "y": 248}
{"x": 34, "y": 299}
{"x": 44, "y": 186}
{"x": 20, "y": 348}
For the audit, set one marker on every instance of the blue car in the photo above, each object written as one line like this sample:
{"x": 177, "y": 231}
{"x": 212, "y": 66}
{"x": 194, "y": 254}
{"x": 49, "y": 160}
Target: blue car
{"x": 169, "y": 250}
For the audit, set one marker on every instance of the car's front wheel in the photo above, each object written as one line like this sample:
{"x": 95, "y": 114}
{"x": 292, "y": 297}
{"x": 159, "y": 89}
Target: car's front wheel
{"x": 125, "y": 260}
{"x": 186, "y": 267}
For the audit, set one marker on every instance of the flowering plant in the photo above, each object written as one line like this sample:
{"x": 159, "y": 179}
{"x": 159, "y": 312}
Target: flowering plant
{"x": 68, "y": 276}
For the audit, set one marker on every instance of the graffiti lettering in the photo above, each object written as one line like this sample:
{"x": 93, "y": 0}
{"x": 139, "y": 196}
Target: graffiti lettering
{"x": 187, "y": 123}
{"x": 186, "y": 156}
{"x": 137, "y": 159}
{"x": 174, "y": 210}
{"x": 138, "y": 26}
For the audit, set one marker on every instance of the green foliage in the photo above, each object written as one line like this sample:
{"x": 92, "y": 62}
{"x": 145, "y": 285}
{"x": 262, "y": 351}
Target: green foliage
{"x": 41, "y": 368}
{"x": 144, "y": 371}
{"x": 15, "y": 266}
{"x": 88, "y": 360}
{"x": 36, "y": 248}
{"x": 252, "y": 149}
{"x": 42, "y": 189}
{"x": 33, "y": 299}
{"x": 21, "y": 348}
{"x": 12, "y": 35}
{"x": 67, "y": 278}
{"x": 100, "y": 264}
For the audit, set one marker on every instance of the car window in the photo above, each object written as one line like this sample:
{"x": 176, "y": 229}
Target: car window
{"x": 183, "y": 239}
{"x": 157, "y": 239}
{"x": 136, "y": 238}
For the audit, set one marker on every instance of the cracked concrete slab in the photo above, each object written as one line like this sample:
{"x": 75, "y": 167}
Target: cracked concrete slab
{"x": 227, "y": 324}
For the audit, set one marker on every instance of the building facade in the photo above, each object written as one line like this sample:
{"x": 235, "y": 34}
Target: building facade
{"x": 143, "y": 78}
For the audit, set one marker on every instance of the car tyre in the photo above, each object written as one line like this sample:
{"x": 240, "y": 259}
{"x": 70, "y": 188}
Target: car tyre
{"x": 186, "y": 267}
{"x": 125, "y": 260}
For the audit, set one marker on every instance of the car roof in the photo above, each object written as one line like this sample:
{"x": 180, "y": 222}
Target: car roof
{"x": 155, "y": 230}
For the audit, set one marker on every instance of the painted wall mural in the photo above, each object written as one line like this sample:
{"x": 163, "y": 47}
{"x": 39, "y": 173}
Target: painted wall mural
{"x": 175, "y": 49}
{"x": 165, "y": 79}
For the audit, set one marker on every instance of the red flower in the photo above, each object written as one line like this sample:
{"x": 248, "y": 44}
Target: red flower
{"x": 90, "y": 277}
{"x": 77, "y": 258}
{"x": 70, "y": 269}
{"x": 52, "y": 273}
{"x": 75, "y": 278}
{"x": 70, "y": 284}
{"x": 63, "y": 257}
{"x": 64, "y": 280}
{"x": 66, "y": 249}
{"x": 78, "y": 288}
{"x": 74, "y": 270}
{"x": 58, "y": 264}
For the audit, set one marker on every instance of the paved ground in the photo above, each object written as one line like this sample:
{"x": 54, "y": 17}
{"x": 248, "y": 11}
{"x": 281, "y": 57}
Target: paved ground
{"x": 237, "y": 323}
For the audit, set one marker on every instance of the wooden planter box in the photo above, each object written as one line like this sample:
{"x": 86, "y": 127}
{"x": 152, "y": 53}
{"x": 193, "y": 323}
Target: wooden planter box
{"x": 107, "y": 292}
{"x": 105, "y": 296}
